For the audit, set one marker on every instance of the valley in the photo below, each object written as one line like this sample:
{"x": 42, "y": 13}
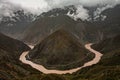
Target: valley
{"x": 69, "y": 43}
{"x": 60, "y": 50}
{"x": 46, "y": 71}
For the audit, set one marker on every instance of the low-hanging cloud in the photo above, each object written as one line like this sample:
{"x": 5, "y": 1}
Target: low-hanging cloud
{"x": 5, "y": 9}
{"x": 39, "y": 6}
{"x": 81, "y": 13}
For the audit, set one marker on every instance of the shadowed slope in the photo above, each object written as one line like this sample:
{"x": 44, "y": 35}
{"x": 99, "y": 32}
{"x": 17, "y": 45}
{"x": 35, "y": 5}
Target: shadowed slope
{"x": 10, "y": 66}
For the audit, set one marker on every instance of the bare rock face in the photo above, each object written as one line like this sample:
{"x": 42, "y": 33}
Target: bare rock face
{"x": 60, "y": 50}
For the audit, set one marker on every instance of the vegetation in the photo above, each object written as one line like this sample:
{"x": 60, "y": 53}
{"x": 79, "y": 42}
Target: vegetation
{"x": 109, "y": 66}
{"x": 107, "y": 69}
{"x": 61, "y": 50}
{"x": 10, "y": 66}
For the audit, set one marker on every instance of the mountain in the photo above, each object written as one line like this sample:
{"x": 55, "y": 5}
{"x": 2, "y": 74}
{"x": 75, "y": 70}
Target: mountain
{"x": 109, "y": 66}
{"x": 46, "y": 25}
{"x": 44, "y": 32}
{"x": 13, "y": 26}
{"x": 111, "y": 48}
{"x": 12, "y": 45}
{"x": 10, "y": 66}
{"x": 23, "y": 27}
{"x": 51, "y": 21}
{"x": 111, "y": 25}
{"x": 85, "y": 31}
{"x": 58, "y": 11}
{"x": 60, "y": 50}
{"x": 108, "y": 44}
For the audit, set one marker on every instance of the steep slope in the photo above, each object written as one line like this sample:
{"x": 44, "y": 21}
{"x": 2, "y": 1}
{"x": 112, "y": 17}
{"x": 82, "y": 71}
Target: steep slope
{"x": 13, "y": 26}
{"x": 85, "y": 31}
{"x": 111, "y": 48}
{"x": 108, "y": 45}
{"x": 12, "y": 45}
{"x": 60, "y": 50}
{"x": 10, "y": 66}
{"x": 109, "y": 66}
{"x": 51, "y": 21}
{"x": 44, "y": 26}
{"x": 111, "y": 25}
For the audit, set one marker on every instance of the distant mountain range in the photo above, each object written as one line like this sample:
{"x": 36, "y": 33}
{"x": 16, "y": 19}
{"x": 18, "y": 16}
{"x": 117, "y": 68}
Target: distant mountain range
{"x": 23, "y": 27}
{"x": 13, "y": 26}
{"x": 93, "y": 31}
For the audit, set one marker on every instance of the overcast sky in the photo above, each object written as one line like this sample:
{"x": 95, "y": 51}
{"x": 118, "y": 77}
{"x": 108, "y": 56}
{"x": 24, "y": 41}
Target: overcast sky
{"x": 39, "y": 6}
{"x": 36, "y": 5}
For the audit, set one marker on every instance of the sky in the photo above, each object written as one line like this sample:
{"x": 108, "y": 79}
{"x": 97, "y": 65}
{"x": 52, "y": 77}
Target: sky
{"x": 38, "y": 6}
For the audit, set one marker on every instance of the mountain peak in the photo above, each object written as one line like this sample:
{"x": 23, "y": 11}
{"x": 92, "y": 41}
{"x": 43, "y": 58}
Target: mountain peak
{"x": 60, "y": 50}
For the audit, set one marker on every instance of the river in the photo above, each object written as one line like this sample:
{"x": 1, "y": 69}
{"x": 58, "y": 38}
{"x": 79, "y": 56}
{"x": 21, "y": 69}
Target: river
{"x": 41, "y": 68}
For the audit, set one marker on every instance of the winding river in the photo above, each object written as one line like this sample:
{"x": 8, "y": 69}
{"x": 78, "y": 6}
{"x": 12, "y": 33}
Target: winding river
{"x": 47, "y": 71}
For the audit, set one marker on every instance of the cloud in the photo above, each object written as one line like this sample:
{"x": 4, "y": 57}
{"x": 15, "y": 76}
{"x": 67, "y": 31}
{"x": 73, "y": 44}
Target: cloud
{"x": 39, "y": 6}
{"x": 81, "y": 13}
{"x": 33, "y": 6}
{"x": 99, "y": 2}
{"x": 5, "y": 9}
{"x": 99, "y": 10}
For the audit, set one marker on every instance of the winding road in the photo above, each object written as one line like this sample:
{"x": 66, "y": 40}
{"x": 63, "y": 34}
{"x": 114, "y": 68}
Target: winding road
{"x": 41, "y": 68}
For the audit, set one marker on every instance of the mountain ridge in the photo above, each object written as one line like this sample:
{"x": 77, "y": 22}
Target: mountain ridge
{"x": 60, "y": 50}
